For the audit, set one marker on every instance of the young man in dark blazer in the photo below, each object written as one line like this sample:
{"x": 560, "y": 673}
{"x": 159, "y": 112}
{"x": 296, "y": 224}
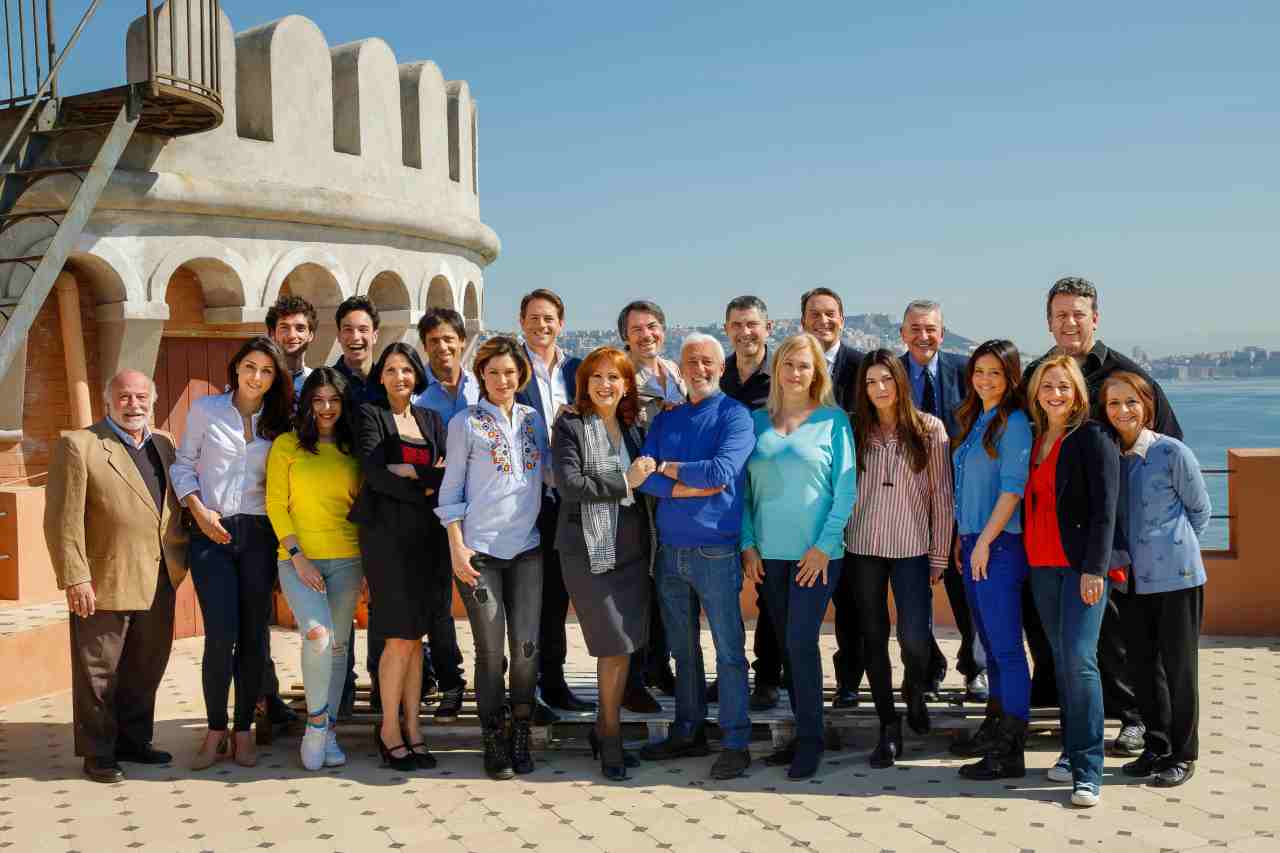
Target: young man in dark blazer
{"x": 551, "y": 388}
{"x": 938, "y": 387}
{"x": 822, "y": 315}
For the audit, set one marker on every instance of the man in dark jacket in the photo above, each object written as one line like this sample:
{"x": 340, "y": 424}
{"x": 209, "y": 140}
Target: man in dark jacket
{"x": 1072, "y": 312}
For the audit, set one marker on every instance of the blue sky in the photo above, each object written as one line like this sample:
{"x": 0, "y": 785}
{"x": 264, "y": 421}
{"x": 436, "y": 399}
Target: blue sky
{"x": 971, "y": 152}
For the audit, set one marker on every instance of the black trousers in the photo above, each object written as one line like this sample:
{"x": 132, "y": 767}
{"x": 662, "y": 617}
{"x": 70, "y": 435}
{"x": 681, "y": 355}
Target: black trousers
{"x": 555, "y": 602}
{"x": 1118, "y": 698}
{"x": 117, "y": 661}
{"x": 649, "y": 661}
{"x": 849, "y": 659}
{"x": 1163, "y": 634}
{"x": 972, "y": 659}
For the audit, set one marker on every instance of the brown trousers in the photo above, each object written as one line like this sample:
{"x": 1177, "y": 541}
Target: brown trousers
{"x": 117, "y": 661}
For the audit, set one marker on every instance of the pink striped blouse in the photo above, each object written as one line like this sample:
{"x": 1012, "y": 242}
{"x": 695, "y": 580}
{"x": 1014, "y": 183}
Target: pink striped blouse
{"x": 901, "y": 512}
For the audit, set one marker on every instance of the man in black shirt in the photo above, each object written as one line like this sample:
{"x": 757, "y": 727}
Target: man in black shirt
{"x": 1072, "y": 312}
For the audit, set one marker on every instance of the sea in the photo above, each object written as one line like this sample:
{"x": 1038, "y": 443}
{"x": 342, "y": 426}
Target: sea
{"x": 1218, "y": 415}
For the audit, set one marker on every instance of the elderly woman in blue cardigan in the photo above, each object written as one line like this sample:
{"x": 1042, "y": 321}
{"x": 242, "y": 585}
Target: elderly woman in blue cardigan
{"x": 1168, "y": 510}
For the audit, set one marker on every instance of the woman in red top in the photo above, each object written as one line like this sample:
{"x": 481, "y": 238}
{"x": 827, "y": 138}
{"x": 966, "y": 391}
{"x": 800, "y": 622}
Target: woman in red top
{"x": 1069, "y": 519}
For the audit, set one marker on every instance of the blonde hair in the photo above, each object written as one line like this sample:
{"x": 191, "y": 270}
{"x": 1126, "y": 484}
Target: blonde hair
{"x": 1079, "y": 409}
{"x": 819, "y": 389}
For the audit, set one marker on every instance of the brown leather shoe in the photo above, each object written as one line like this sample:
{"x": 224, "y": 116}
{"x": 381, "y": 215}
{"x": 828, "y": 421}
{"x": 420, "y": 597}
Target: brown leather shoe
{"x": 216, "y": 746}
{"x": 244, "y": 750}
{"x": 104, "y": 770}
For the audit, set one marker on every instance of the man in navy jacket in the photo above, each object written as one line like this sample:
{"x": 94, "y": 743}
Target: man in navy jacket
{"x": 552, "y": 387}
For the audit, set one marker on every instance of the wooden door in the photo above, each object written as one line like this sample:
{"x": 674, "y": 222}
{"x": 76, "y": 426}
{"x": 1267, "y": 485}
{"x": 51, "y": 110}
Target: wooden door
{"x": 186, "y": 370}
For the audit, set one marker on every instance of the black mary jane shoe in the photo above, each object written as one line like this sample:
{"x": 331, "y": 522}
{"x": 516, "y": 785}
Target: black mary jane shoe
{"x": 403, "y": 763}
{"x": 629, "y": 758}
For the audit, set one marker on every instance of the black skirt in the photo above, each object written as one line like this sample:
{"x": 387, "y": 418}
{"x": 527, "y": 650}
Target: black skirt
{"x": 613, "y": 607}
{"x": 405, "y": 557}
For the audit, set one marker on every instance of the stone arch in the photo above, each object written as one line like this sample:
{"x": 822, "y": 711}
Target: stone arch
{"x": 471, "y": 307}
{"x": 313, "y": 273}
{"x": 439, "y": 293}
{"x": 110, "y": 274}
{"x": 385, "y": 280}
{"x": 222, "y": 272}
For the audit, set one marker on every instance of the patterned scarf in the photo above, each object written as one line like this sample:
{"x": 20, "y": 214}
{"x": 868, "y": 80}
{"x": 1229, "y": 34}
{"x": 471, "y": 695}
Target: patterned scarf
{"x": 599, "y": 518}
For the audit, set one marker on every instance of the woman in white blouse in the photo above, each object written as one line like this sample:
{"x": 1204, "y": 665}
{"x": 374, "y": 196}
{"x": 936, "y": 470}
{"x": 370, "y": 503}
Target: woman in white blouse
{"x": 220, "y": 475}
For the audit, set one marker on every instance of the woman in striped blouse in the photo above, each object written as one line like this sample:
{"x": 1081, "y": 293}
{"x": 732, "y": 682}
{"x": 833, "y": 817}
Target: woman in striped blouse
{"x": 899, "y": 534}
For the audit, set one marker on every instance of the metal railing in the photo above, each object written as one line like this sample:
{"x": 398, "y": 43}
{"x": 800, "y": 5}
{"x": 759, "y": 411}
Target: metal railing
{"x": 29, "y": 48}
{"x": 201, "y": 35}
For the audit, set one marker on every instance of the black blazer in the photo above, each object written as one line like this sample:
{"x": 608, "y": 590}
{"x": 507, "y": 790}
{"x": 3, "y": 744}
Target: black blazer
{"x": 1090, "y": 491}
{"x": 950, "y": 390}
{"x": 531, "y": 394}
{"x": 568, "y": 445}
{"x": 844, "y": 372}
{"x": 377, "y": 445}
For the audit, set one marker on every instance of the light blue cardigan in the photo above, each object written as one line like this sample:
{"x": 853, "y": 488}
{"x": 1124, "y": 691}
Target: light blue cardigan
{"x": 1168, "y": 510}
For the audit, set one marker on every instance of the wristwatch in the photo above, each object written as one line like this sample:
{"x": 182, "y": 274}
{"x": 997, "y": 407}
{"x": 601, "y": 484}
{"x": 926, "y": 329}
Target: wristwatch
{"x": 294, "y": 551}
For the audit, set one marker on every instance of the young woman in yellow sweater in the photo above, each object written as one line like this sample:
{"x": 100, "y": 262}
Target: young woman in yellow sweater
{"x": 312, "y": 480}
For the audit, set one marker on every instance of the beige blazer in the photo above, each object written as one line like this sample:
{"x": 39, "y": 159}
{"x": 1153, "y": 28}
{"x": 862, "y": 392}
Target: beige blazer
{"x": 101, "y": 524}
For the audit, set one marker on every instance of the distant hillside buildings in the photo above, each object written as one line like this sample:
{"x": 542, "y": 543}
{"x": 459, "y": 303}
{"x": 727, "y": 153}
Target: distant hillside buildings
{"x": 1246, "y": 363}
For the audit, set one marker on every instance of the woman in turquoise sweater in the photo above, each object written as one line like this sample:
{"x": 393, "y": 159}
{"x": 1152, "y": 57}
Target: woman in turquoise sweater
{"x": 801, "y": 486}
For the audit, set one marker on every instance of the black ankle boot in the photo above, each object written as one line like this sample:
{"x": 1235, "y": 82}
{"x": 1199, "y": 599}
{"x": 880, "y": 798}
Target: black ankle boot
{"x": 1005, "y": 759}
{"x": 497, "y": 760}
{"x": 521, "y": 737}
{"x": 972, "y": 745}
{"x": 889, "y": 747}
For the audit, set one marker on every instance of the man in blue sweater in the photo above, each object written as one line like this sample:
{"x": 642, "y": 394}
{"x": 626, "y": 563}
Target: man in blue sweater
{"x": 700, "y": 452}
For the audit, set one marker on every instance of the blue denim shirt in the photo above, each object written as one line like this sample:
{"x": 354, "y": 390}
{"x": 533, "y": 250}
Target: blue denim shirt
{"x": 1168, "y": 510}
{"x": 980, "y": 480}
{"x": 442, "y": 402}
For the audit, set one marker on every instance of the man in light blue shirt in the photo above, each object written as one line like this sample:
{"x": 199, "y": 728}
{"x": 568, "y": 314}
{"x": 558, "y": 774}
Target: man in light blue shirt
{"x": 450, "y": 389}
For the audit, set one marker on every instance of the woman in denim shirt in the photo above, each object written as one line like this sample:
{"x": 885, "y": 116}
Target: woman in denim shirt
{"x": 990, "y": 461}
{"x": 498, "y": 456}
{"x": 1168, "y": 510}
{"x": 220, "y": 475}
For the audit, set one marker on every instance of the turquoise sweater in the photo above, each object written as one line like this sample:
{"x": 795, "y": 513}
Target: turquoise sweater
{"x": 800, "y": 487}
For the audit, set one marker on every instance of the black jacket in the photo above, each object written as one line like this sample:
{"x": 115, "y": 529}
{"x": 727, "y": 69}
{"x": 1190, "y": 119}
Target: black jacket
{"x": 1103, "y": 361}
{"x": 1089, "y": 488}
{"x": 384, "y": 495}
{"x": 844, "y": 372}
{"x": 531, "y": 393}
{"x": 568, "y": 445}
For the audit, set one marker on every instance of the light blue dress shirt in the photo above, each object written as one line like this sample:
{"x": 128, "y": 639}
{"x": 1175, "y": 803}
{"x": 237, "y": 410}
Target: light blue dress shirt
{"x": 444, "y": 404}
{"x": 493, "y": 478}
{"x": 980, "y": 480}
{"x": 126, "y": 438}
{"x": 916, "y": 374}
{"x": 214, "y": 459}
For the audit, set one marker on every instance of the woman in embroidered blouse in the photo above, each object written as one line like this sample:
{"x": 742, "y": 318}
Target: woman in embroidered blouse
{"x": 401, "y": 447}
{"x": 801, "y": 485}
{"x": 1168, "y": 510}
{"x": 899, "y": 534}
{"x": 313, "y": 477}
{"x": 220, "y": 475}
{"x": 604, "y": 533}
{"x": 992, "y": 454}
{"x": 489, "y": 503}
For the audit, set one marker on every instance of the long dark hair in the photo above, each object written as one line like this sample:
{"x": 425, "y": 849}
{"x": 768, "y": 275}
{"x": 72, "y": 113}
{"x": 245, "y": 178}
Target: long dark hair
{"x": 304, "y": 419}
{"x": 970, "y": 410}
{"x": 912, "y": 433}
{"x": 277, "y": 403}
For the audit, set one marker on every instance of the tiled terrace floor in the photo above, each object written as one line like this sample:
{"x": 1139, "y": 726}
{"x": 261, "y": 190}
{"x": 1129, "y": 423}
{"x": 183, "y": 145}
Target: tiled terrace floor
{"x": 1232, "y": 803}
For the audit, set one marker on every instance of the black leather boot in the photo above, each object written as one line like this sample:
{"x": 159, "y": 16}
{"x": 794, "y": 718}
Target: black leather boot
{"x": 521, "y": 737}
{"x": 889, "y": 747}
{"x": 497, "y": 760}
{"x": 1006, "y": 758}
{"x": 972, "y": 745}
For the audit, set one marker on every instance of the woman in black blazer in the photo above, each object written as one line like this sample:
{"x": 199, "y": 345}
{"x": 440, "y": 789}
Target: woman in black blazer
{"x": 401, "y": 449}
{"x": 605, "y": 533}
{"x": 1069, "y": 523}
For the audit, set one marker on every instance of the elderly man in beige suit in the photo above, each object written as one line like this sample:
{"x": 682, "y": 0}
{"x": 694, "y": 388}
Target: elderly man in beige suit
{"x": 115, "y": 536}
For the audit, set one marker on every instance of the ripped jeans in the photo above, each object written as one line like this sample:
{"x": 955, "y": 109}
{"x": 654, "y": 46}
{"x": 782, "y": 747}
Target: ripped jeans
{"x": 324, "y": 659}
{"x": 505, "y": 604}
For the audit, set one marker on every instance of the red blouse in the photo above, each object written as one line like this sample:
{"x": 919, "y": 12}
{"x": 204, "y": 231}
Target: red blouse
{"x": 1040, "y": 521}
{"x": 415, "y": 454}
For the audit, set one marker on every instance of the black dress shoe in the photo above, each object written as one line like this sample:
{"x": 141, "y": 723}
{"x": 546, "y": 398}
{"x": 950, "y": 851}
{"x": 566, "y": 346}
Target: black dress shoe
{"x": 713, "y": 692}
{"x": 638, "y": 700}
{"x": 104, "y": 770}
{"x": 918, "y": 713}
{"x": 543, "y": 715}
{"x": 663, "y": 680}
{"x": 144, "y": 755}
{"x": 731, "y": 764}
{"x": 676, "y": 746}
{"x": 1144, "y": 765}
{"x": 764, "y": 697}
{"x": 808, "y": 758}
{"x": 845, "y": 698}
{"x": 562, "y": 697}
{"x": 1175, "y": 774}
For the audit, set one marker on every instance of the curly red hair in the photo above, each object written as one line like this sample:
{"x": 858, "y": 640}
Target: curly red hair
{"x": 629, "y": 406}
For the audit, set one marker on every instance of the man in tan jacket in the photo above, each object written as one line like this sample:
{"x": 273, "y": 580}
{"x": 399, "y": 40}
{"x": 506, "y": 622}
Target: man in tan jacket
{"x": 113, "y": 528}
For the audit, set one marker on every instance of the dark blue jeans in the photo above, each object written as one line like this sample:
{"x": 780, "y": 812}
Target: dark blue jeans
{"x": 709, "y": 576}
{"x": 797, "y": 613}
{"x": 234, "y": 584}
{"x": 996, "y": 605}
{"x": 870, "y": 578}
{"x": 1072, "y": 628}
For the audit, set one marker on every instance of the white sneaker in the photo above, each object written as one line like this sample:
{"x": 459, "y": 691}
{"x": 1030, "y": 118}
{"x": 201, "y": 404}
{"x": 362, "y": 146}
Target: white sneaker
{"x": 313, "y": 747}
{"x": 1061, "y": 769}
{"x": 1085, "y": 795}
{"x": 333, "y": 754}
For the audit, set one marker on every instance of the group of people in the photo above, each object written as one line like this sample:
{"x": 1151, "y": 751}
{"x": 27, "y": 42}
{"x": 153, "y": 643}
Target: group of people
{"x": 1056, "y": 502}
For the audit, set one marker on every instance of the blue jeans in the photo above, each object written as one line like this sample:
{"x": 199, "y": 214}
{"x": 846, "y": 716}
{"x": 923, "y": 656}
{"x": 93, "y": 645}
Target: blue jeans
{"x": 709, "y": 576}
{"x": 324, "y": 661}
{"x": 870, "y": 578}
{"x": 797, "y": 613}
{"x": 1073, "y": 627}
{"x": 996, "y": 604}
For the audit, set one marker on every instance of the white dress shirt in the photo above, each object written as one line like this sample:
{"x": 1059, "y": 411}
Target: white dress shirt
{"x": 550, "y": 381}
{"x": 214, "y": 459}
